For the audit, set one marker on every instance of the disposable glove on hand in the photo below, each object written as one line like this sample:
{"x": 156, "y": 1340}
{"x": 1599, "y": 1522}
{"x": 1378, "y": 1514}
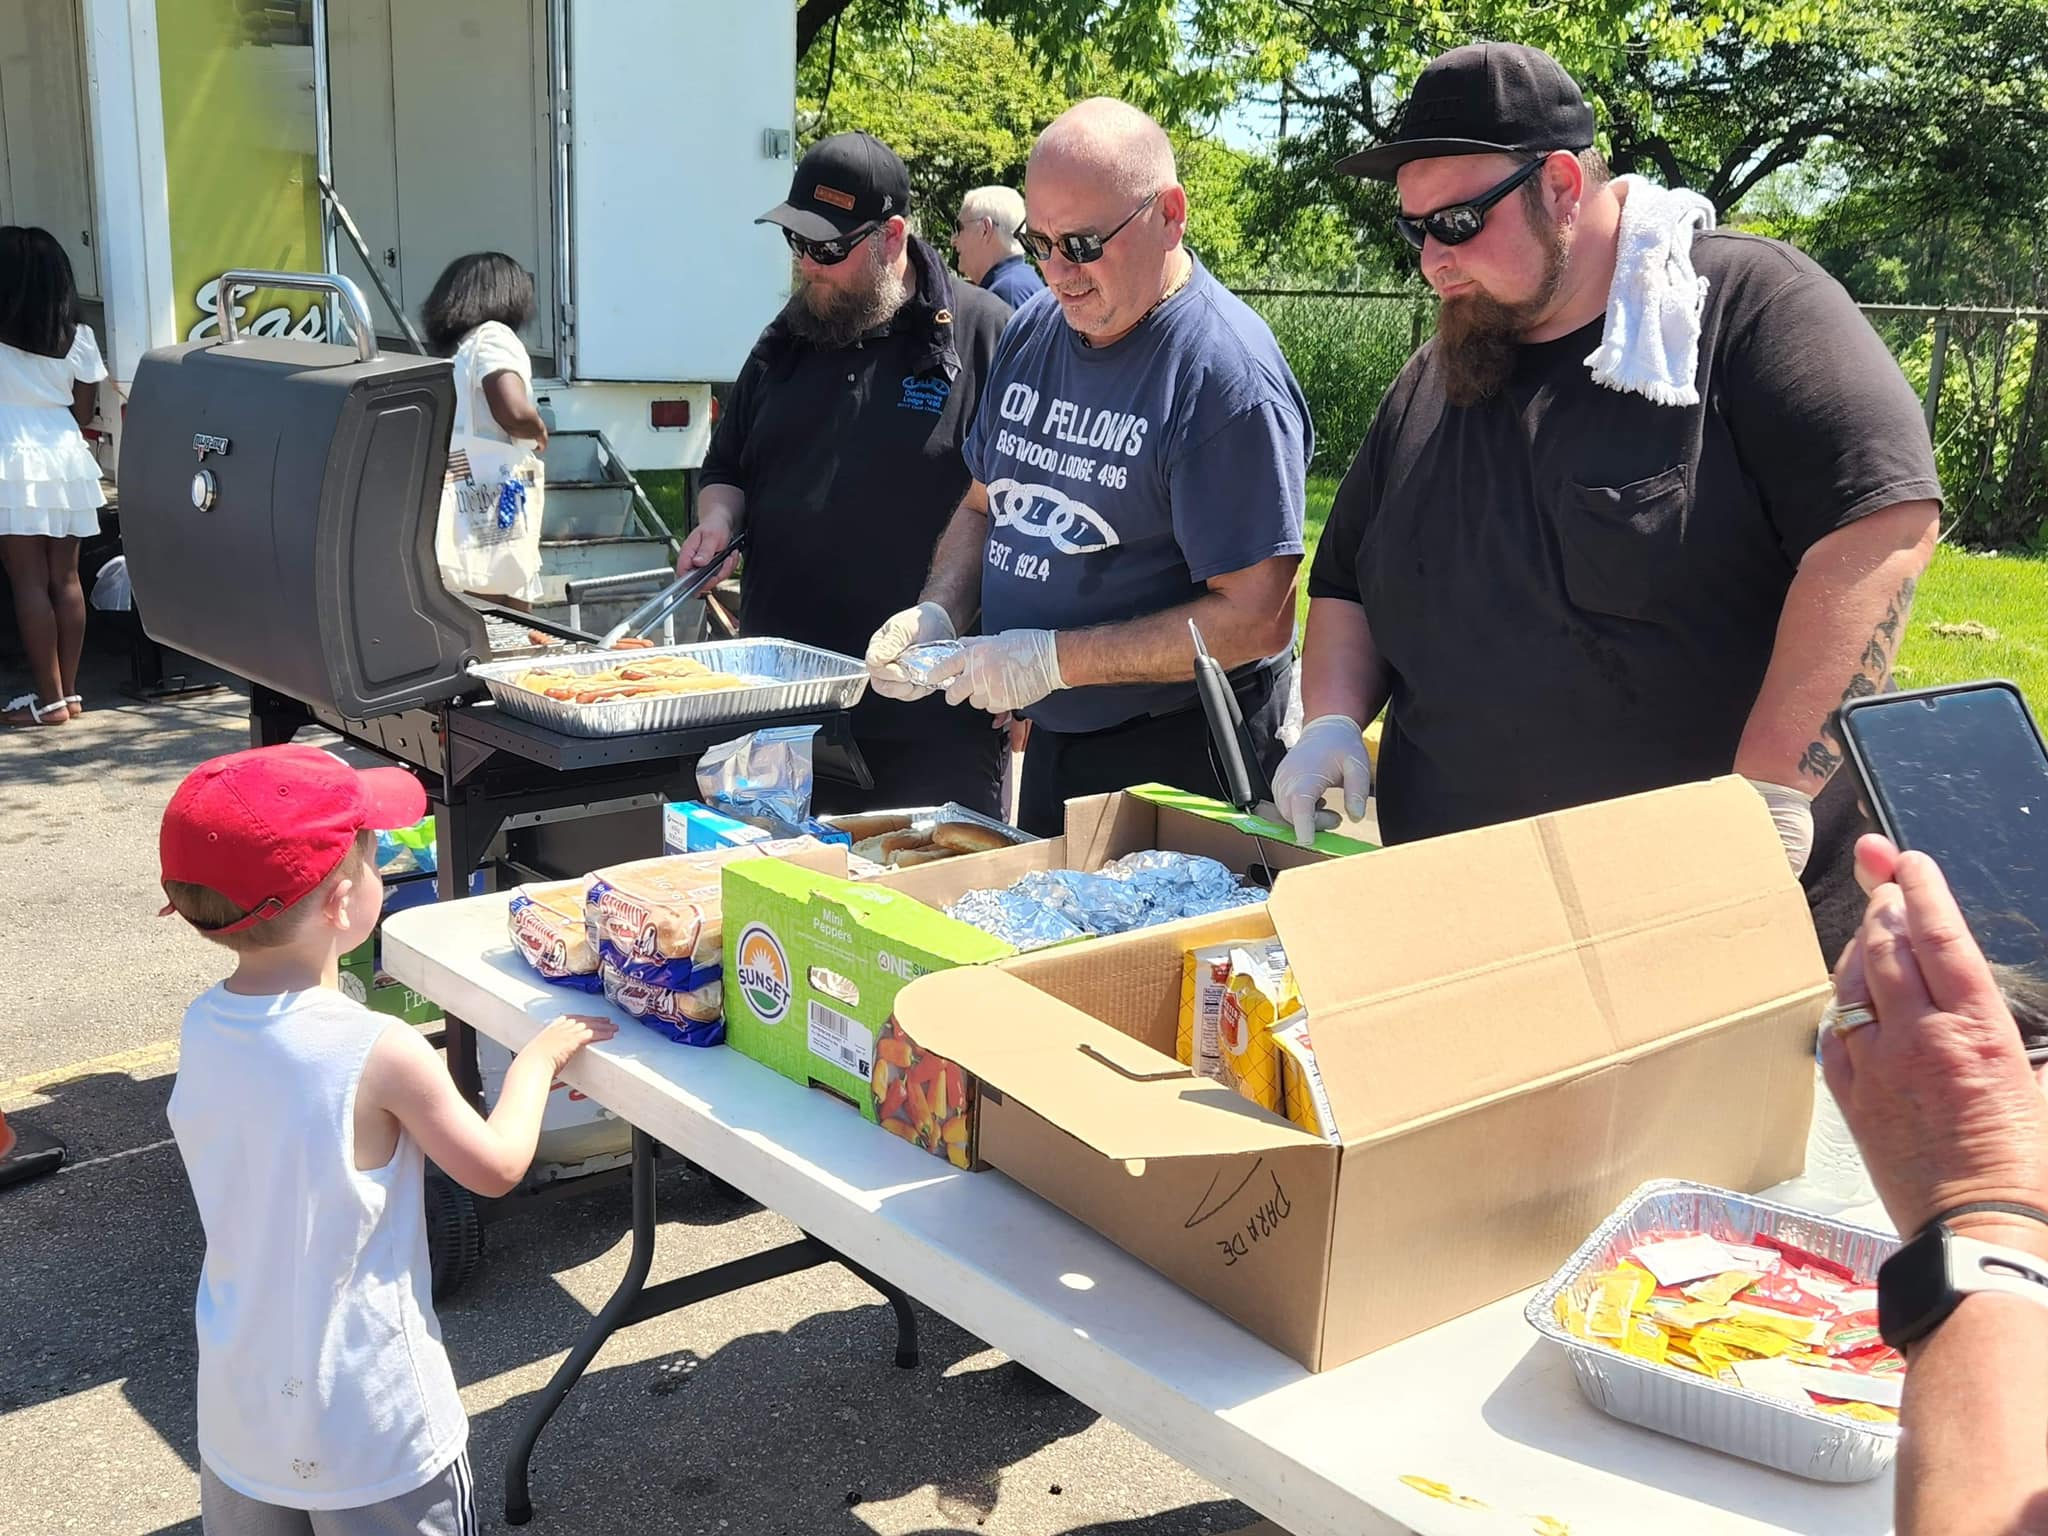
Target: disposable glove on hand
{"x": 926, "y": 624}
{"x": 1793, "y": 813}
{"x": 1004, "y": 672}
{"x": 1331, "y": 752}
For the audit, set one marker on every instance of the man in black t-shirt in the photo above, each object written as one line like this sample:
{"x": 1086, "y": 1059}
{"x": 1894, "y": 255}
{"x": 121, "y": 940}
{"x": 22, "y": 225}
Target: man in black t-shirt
{"x": 1562, "y": 590}
{"x": 839, "y": 445}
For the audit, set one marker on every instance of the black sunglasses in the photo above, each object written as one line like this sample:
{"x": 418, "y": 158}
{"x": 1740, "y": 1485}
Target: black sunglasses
{"x": 1079, "y": 249}
{"x": 1461, "y": 221}
{"x": 829, "y": 253}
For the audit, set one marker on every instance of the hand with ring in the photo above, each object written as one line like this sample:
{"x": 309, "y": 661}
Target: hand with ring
{"x": 1923, "y": 1056}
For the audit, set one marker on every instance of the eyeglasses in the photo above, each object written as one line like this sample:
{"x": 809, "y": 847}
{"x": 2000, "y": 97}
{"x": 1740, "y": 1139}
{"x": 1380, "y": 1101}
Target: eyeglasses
{"x": 829, "y": 253}
{"x": 1461, "y": 221}
{"x": 1079, "y": 249}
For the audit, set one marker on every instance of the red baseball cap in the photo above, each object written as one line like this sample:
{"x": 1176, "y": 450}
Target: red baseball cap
{"x": 266, "y": 826}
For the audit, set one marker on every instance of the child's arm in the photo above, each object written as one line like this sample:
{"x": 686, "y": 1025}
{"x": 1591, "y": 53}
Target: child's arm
{"x": 404, "y": 1080}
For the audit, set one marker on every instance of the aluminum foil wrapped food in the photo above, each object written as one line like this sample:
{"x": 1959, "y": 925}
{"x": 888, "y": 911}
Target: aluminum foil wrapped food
{"x": 1140, "y": 890}
{"x": 921, "y": 662}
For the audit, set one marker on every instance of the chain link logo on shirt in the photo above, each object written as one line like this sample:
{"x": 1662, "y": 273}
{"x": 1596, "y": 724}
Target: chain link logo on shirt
{"x": 1042, "y": 512}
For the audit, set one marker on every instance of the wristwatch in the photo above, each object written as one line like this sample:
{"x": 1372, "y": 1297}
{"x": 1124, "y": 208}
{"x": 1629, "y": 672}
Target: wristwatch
{"x": 1918, "y": 1286}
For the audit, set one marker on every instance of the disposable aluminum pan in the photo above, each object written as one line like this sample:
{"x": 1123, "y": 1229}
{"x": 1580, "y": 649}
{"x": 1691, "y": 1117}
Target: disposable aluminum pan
{"x": 792, "y": 679}
{"x": 924, "y": 817}
{"x": 1720, "y": 1416}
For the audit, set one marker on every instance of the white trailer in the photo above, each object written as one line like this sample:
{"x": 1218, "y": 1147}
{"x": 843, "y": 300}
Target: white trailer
{"x": 619, "y": 149}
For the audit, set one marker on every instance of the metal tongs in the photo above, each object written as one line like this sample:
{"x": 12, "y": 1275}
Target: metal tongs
{"x": 672, "y": 596}
{"x": 1230, "y": 744}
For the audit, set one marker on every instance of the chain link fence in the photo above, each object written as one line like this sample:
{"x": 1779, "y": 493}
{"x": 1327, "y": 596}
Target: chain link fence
{"x": 1981, "y": 376}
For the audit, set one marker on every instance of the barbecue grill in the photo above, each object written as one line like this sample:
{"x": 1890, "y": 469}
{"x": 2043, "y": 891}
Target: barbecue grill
{"x": 279, "y": 506}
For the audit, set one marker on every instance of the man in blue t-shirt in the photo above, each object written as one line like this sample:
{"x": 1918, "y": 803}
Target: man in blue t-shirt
{"x": 1138, "y": 462}
{"x": 986, "y": 247}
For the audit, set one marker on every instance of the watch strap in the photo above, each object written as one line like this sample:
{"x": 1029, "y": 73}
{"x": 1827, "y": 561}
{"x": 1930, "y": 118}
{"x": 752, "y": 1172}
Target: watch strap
{"x": 1921, "y": 1284}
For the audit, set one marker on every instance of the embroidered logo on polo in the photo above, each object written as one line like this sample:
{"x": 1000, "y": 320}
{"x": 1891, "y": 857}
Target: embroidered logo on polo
{"x": 927, "y": 395}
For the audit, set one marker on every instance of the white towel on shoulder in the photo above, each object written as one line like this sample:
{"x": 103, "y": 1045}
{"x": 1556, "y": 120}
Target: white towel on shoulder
{"x": 1651, "y": 343}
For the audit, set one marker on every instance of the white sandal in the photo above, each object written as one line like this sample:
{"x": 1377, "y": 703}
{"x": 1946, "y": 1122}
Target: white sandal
{"x": 75, "y": 701}
{"x": 39, "y": 713}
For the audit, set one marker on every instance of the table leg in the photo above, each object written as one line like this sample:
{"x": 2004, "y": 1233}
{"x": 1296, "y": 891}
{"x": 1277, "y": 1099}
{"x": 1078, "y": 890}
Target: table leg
{"x": 518, "y": 1501}
{"x": 636, "y": 1301}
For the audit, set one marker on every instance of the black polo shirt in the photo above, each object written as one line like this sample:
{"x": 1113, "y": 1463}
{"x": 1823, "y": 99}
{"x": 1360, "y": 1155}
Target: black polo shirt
{"x": 1575, "y": 591}
{"x": 850, "y": 461}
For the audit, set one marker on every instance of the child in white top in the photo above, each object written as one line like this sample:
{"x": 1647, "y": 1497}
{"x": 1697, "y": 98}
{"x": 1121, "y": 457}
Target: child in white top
{"x": 473, "y": 316}
{"x": 326, "y": 1402}
{"x": 50, "y": 492}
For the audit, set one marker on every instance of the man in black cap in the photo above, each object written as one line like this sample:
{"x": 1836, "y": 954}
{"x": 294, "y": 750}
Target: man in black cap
{"x": 1648, "y": 507}
{"x": 839, "y": 445}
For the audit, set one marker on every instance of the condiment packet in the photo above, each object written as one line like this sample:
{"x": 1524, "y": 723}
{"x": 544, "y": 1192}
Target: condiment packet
{"x": 1852, "y": 1386}
{"x": 1772, "y": 1378}
{"x": 1682, "y": 1259}
{"x": 1719, "y": 1290}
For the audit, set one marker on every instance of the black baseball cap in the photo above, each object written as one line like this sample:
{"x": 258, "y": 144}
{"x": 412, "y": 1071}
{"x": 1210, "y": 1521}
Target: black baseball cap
{"x": 1482, "y": 99}
{"x": 844, "y": 182}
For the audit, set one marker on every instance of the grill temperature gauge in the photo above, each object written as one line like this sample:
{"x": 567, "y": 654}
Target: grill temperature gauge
{"x": 204, "y": 490}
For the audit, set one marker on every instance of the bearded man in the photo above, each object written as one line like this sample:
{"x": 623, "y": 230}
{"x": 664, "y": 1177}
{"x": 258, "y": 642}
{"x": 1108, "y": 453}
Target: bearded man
{"x": 840, "y": 445}
{"x": 1648, "y": 507}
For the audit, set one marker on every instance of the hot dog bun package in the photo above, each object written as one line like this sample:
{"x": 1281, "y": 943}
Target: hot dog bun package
{"x": 656, "y": 927}
{"x": 547, "y": 928}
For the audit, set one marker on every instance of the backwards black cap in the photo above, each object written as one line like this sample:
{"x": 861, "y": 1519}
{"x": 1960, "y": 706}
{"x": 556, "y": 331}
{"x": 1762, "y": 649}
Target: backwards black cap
{"x": 1484, "y": 98}
{"x": 844, "y": 182}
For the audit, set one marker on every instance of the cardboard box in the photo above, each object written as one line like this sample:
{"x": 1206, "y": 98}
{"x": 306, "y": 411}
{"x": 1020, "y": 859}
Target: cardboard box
{"x": 1515, "y": 1027}
{"x": 798, "y": 949}
{"x": 812, "y": 967}
{"x": 690, "y": 826}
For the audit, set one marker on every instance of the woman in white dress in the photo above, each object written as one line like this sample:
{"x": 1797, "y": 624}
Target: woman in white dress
{"x": 473, "y": 316}
{"x": 50, "y": 492}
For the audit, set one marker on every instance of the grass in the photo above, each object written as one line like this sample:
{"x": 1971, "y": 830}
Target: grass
{"x": 1975, "y": 615}
{"x": 1980, "y": 616}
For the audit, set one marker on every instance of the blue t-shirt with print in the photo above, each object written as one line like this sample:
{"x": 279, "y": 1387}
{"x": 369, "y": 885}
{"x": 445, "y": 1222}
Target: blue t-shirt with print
{"x": 1122, "y": 478}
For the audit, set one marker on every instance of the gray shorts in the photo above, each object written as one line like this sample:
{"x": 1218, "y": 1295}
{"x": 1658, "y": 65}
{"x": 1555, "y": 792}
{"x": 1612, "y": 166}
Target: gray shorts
{"x": 445, "y": 1505}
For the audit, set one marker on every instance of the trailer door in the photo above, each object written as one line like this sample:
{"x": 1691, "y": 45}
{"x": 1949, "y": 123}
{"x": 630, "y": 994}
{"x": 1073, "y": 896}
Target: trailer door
{"x": 45, "y": 165}
{"x": 680, "y": 114}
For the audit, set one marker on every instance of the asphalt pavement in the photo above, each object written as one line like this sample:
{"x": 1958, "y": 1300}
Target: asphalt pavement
{"x": 775, "y": 1410}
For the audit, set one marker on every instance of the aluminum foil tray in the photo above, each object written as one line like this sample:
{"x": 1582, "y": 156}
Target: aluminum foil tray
{"x": 924, "y": 817}
{"x": 1722, "y": 1417}
{"x": 793, "y": 679}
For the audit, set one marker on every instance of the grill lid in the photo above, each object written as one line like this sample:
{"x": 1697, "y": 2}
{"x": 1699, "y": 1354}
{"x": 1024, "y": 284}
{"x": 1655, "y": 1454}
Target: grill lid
{"x": 279, "y": 500}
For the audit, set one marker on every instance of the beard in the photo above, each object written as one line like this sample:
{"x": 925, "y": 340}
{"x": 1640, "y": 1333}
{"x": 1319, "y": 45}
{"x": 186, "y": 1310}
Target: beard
{"x": 1478, "y": 337}
{"x": 833, "y": 317}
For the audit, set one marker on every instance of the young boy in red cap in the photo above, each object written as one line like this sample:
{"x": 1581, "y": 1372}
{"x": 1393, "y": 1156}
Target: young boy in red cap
{"x": 326, "y": 1403}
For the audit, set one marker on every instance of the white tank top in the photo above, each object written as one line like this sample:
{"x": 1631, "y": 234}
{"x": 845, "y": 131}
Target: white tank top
{"x": 322, "y": 1380}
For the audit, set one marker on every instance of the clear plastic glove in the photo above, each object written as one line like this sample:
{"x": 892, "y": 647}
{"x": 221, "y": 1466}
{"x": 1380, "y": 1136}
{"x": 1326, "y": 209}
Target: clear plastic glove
{"x": 1793, "y": 813}
{"x": 926, "y": 624}
{"x": 1331, "y": 752}
{"x": 1001, "y": 673}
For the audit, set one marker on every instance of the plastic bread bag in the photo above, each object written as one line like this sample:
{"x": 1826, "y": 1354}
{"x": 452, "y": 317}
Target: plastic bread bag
{"x": 1205, "y": 982}
{"x": 1259, "y": 997}
{"x": 661, "y": 921}
{"x": 693, "y": 1017}
{"x": 763, "y": 777}
{"x": 547, "y": 927}
{"x": 1307, "y": 1102}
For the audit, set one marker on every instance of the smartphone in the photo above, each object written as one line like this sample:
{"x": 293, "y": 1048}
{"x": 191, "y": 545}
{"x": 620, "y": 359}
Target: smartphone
{"x": 1961, "y": 774}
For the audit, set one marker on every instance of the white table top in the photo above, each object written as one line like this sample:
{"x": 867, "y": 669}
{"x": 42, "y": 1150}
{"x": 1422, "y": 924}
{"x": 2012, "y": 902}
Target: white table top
{"x": 1480, "y": 1404}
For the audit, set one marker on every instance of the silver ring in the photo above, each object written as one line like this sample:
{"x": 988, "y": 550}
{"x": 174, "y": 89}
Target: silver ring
{"x": 1844, "y": 1018}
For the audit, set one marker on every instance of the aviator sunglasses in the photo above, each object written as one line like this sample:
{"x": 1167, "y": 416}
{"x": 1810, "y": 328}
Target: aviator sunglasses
{"x": 1461, "y": 221}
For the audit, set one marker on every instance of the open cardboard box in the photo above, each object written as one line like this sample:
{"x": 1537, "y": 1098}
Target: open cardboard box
{"x": 1515, "y": 1026}
{"x": 814, "y": 965}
